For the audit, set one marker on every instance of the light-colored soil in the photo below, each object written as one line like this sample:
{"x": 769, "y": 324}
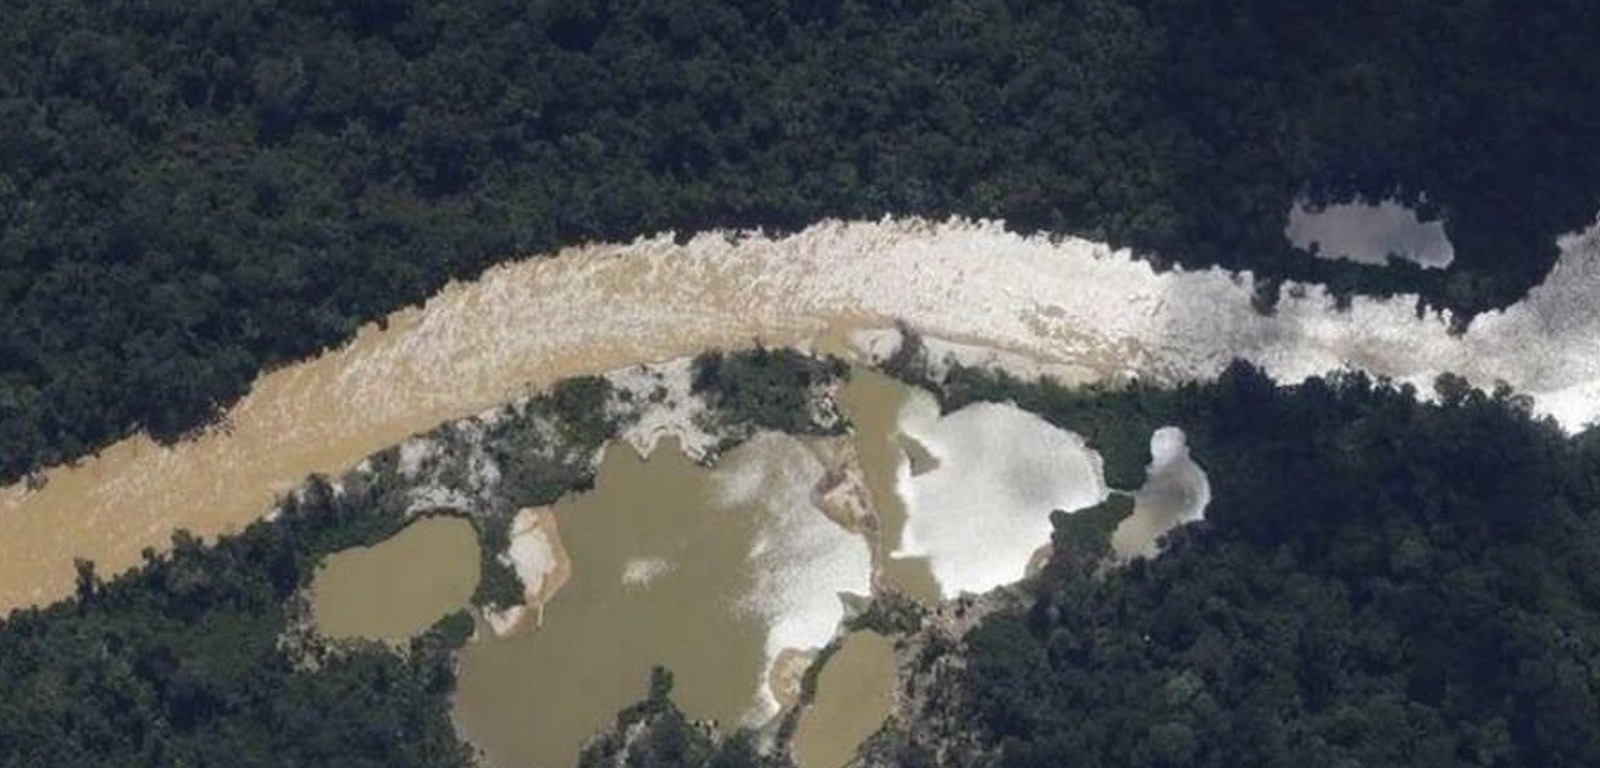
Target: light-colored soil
{"x": 540, "y": 560}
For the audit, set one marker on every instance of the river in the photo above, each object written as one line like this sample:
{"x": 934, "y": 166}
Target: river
{"x": 601, "y": 307}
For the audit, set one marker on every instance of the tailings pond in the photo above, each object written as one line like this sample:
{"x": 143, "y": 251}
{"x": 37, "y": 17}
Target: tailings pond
{"x": 732, "y": 576}
{"x": 400, "y": 586}
{"x": 855, "y": 692}
{"x": 709, "y": 573}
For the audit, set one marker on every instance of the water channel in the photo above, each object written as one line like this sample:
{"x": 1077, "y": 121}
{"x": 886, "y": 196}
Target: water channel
{"x": 874, "y": 403}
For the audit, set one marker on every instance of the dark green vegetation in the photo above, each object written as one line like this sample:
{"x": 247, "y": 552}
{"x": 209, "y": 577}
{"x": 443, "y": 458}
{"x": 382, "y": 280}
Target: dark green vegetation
{"x": 766, "y": 388}
{"x": 191, "y": 192}
{"x": 179, "y": 663}
{"x": 889, "y": 614}
{"x": 667, "y": 739}
{"x": 1378, "y": 583}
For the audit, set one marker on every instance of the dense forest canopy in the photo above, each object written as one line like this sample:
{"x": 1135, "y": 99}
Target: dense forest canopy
{"x": 191, "y": 192}
{"x": 1378, "y": 582}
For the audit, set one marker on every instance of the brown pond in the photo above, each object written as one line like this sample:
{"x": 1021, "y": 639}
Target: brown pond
{"x": 855, "y": 692}
{"x": 658, "y": 573}
{"x": 400, "y": 586}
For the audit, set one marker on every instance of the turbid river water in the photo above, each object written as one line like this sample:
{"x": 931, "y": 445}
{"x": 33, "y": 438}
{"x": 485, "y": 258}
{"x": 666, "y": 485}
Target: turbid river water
{"x": 401, "y": 586}
{"x": 1067, "y": 301}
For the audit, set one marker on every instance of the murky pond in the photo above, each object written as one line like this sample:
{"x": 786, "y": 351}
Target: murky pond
{"x": 658, "y": 571}
{"x": 1175, "y": 491}
{"x": 706, "y": 573}
{"x": 964, "y": 499}
{"x": 855, "y": 693}
{"x": 400, "y": 586}
{"x": 873, "y": 402}
{"x": 1370, "y": 233}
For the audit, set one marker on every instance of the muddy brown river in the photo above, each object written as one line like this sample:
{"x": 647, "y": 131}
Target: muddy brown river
{"x": 602, "y": 307}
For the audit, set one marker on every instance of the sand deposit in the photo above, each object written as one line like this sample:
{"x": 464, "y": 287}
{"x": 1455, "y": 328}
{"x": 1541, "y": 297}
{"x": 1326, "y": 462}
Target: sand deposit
{"x": 540, "y": 561}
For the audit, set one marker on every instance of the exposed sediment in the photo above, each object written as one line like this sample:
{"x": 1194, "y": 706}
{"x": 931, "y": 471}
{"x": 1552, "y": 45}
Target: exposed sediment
{"x": 841, "y": 493}
{"x": 540, "y": 561}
